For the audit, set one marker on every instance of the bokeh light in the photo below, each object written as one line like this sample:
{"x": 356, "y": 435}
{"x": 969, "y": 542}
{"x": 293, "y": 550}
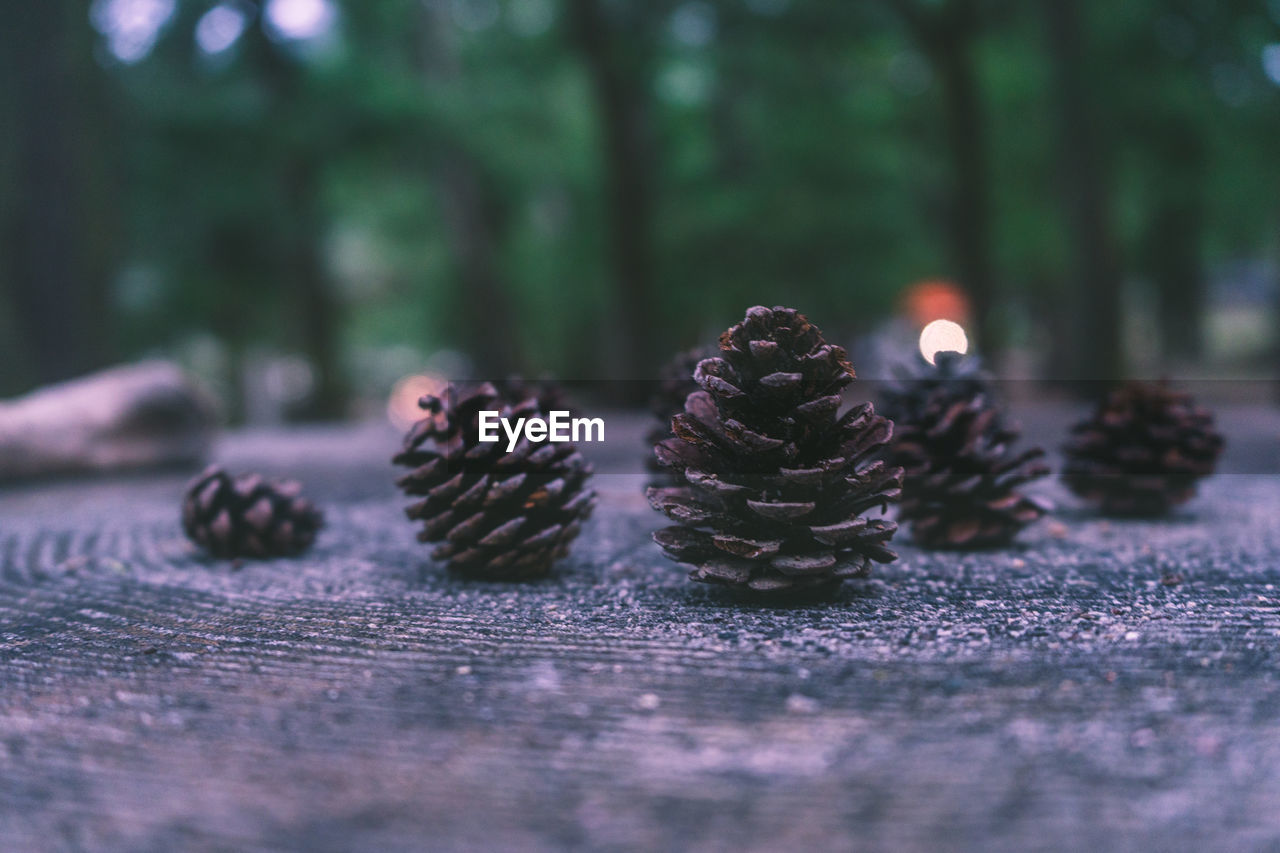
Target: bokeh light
{"x": 402, "y": 406}
{"x": 475, "y": 16}
{"x": 130, "y": 26}
{"x": 942, "y": 336}
{"x": 220, "y": 27}
{"x": 300, "y": 19}
{"x": 935, "y": 299}
{"x": 1271, "y": 62}
{"x": 694, "y": 24}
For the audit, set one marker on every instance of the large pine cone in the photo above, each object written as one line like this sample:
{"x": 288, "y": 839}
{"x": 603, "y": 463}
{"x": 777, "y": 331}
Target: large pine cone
{"x": 960, "y": 470}
{"x": 496, "y": 515}
{"x": 775, "y": 479}
{"x": 675, "y": 384}
{"x": 1142, "y": 451}
{"x": 248, "y": 516}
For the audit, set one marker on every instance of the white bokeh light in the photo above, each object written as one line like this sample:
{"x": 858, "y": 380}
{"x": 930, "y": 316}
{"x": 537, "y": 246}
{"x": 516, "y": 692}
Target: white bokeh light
{"x": 694, "y": 24}
{"x": 300, "y": 19}
{"x": 218, "y": 29}
{"x": 942, "y": 336}
{"x": 684, "y": 84}
{"x": 1271, "y": 62}
{"x": 131, "y": 27}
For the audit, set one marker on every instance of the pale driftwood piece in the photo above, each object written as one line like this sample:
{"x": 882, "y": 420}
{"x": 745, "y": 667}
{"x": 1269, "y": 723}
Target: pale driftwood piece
{"x": 136, "y": 416}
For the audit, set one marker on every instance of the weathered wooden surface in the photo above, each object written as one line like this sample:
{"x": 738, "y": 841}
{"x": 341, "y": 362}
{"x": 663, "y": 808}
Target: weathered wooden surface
{"x": 1104, "y": 685}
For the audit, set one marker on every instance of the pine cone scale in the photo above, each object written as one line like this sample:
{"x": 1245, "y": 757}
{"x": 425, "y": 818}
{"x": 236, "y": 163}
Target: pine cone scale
{"x": 746, "y": 548}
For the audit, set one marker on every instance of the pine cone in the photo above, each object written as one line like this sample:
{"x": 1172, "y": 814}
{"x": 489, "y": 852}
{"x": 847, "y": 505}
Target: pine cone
{"x": 248, "y": 516}
{"x": 675, "y": 384}
{"x": 957, "y": 456}
{"x": 550, "y": 394}
{"x": 774, "y": 478}
{"x": 1142, "y": 451}
{"x": 497, "y": 515}
{"x": 956, "y": 375}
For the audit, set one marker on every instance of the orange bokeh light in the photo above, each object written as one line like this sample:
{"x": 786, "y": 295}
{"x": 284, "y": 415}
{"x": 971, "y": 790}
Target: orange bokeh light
{"x": 935, "y": 299}
{"x": 402, "y": 406}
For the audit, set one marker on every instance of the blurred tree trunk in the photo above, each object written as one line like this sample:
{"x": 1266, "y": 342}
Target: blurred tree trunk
{"x": 1174, "y": 242}
{"x": 969, "y": 212}
{"x": 620, "y": 78}
{"x": 1095, "y": 277}
{"x": 946, "y": 33}
{"x": 236, "y": 257}
{"x": 474, "y": 221}
{"x": 474, "y": 217}
{"x": 308, "y": 287}
{"x": 1177, "y": 269}
{"x": 59, "y": 237}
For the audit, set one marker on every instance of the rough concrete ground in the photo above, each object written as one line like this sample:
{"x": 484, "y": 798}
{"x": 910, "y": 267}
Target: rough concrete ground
{"x": 1107, "y": 685}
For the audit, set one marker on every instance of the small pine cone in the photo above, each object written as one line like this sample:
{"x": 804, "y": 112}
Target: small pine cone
{"x": 675, "y": 384}
{"x": 496, "y": 515}
{"x": 248, "y": 516}
{"x": 774, "y": 478}
{"x": 1142, "y": 451}
{"x": 961, "y": 472}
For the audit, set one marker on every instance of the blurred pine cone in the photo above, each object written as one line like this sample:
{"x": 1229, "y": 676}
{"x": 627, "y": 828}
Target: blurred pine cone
{"x": 248, "y": 516}
{"x": 675, "y": 384}
{"x": 550, "y": 394}
{"x": 960, "y": 470}
{"x": 774, "y": 478}
{"x": 496, "y": 515}
{"x": 1142, "y": 451}
{"x": 954, "y": 374}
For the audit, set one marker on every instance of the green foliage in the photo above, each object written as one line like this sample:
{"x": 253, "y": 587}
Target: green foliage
{"x": 797, "y": 149}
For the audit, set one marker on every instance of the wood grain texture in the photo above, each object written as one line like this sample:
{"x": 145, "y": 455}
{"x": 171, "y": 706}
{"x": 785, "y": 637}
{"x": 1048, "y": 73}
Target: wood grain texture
{"x": 1106, "y": 685}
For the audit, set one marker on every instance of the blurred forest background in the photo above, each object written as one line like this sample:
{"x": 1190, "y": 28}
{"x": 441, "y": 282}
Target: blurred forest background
{"x": 305, "y": 200}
